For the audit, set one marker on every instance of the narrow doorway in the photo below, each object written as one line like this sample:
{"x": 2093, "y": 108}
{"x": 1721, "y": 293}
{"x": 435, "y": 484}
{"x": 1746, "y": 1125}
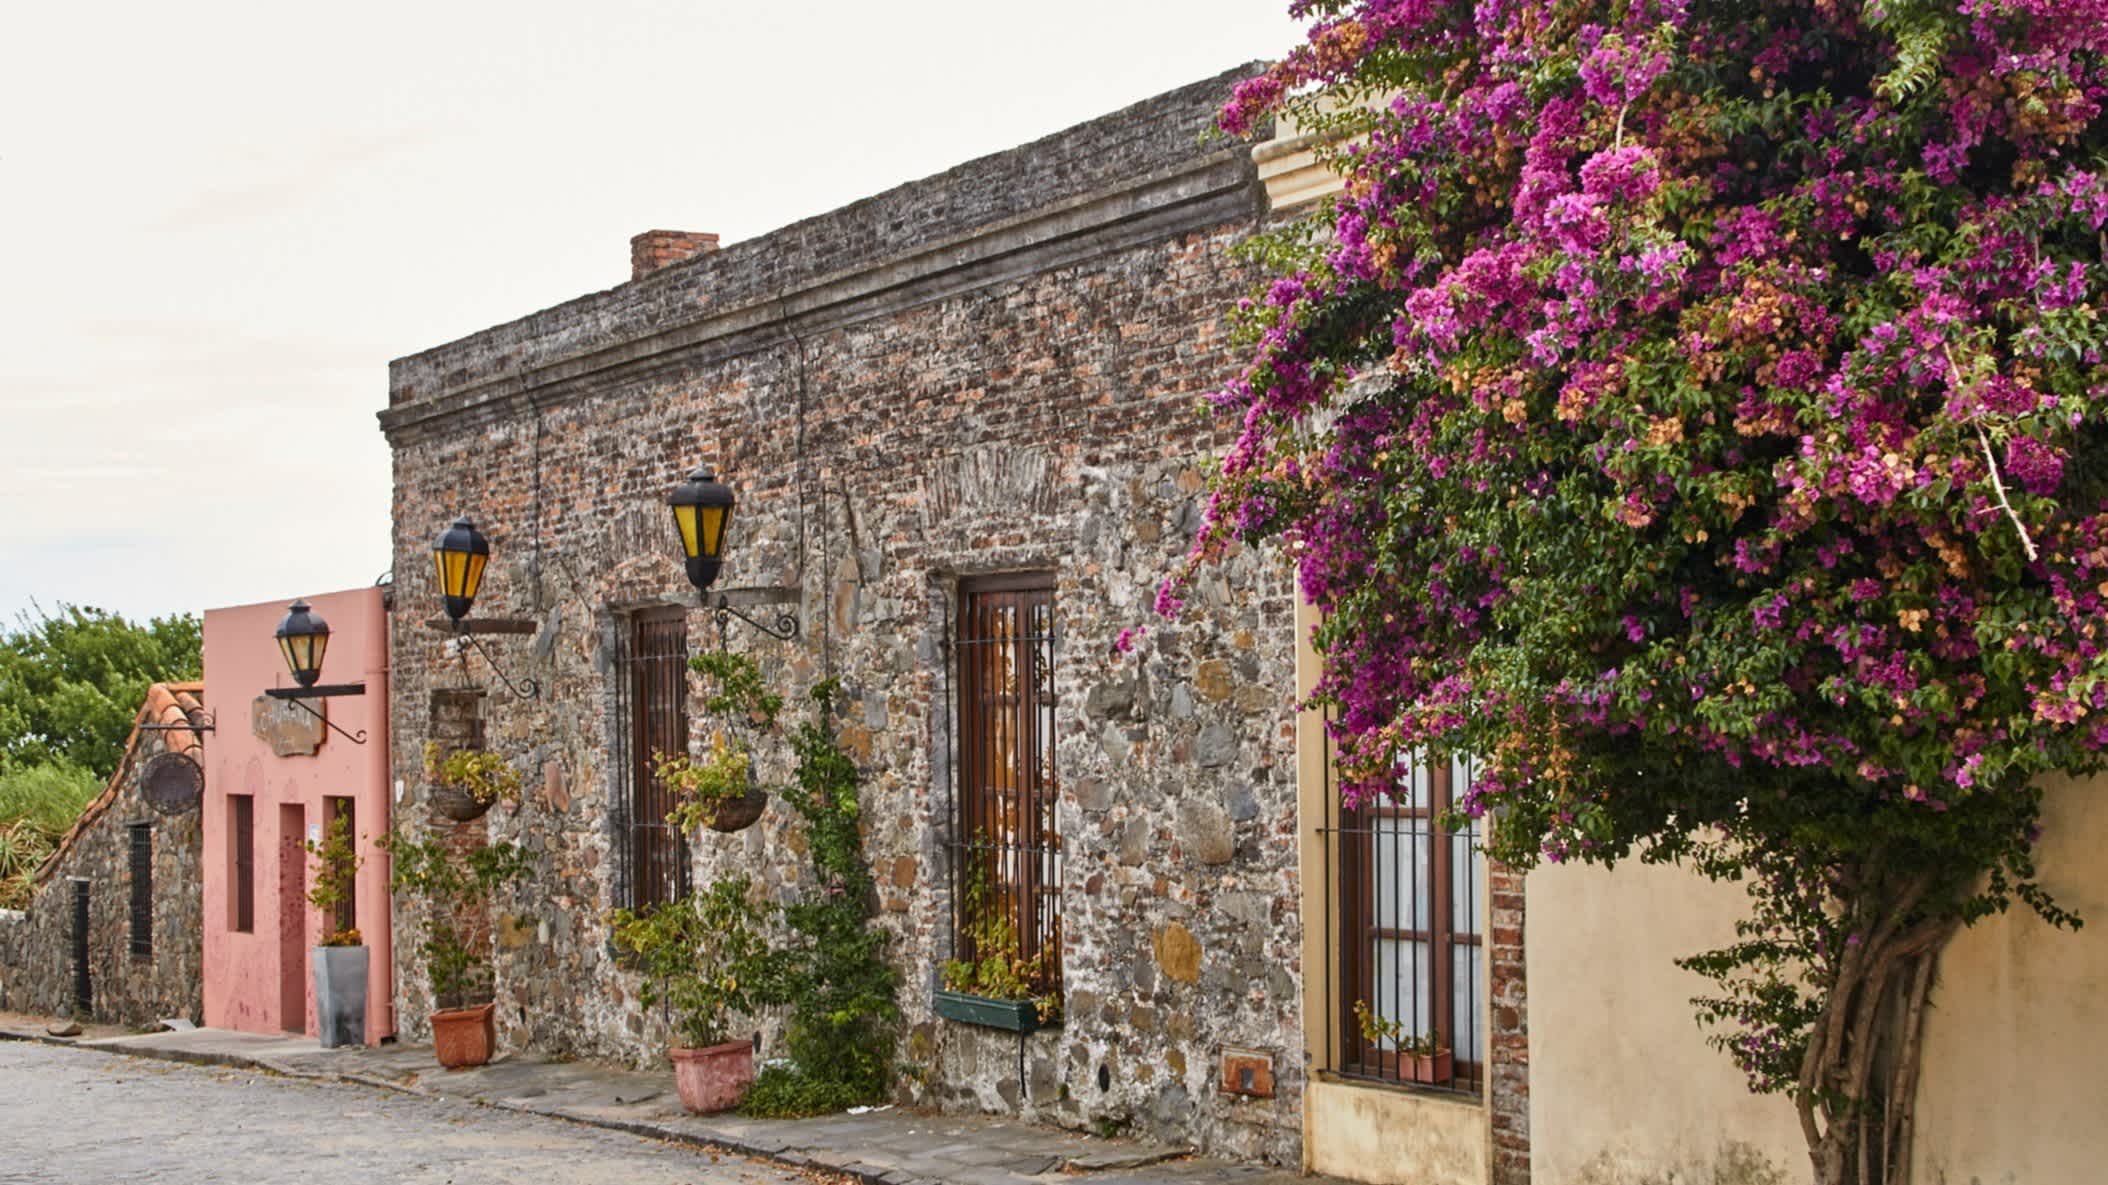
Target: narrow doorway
{"x": 292, "y": 918}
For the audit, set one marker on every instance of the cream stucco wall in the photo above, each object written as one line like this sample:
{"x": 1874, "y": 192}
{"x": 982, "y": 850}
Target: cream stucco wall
{"x": 1623, "y": 1087}
{"x": 1384, "y": 1136}
{"x": 2015, "y": 1078}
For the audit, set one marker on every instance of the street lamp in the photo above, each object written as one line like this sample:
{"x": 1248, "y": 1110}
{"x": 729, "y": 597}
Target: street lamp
{"x": 461, "y": 553}
{"x": 702, "y": 518}
{"x": 702, "y": 509}
{"x": 303, "y": 638}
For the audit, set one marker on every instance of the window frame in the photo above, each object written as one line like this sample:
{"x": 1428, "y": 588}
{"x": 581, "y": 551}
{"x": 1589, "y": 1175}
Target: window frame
{"x": 1004, "y": 772}
{"x": 139, "y": 854}
{"x": 652, "y": 857}
{"x": 1355, "y": 926}
{"x": 241, "y": 862}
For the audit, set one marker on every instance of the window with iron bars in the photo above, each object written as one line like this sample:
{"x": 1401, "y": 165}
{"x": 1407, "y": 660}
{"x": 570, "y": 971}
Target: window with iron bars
{"x": 142, "y": 888}
{"x": 651, "y": 718}
{"x": 1005, "y": 852}
{"x": 1406, "y": 968}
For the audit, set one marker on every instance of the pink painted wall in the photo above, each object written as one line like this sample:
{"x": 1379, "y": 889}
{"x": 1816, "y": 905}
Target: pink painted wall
{"x": 258, "y": 981}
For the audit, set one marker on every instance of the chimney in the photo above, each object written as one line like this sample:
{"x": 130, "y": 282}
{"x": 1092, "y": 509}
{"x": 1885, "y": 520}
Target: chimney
{"x": 655, "y": 249}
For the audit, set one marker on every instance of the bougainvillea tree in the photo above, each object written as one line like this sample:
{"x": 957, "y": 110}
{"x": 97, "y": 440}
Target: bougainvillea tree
{"x": 1693, "y": 412}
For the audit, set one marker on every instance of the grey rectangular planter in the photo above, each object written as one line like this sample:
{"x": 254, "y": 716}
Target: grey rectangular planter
{"x": 340, "y": 995}
{"x": 1018, "y": 1016}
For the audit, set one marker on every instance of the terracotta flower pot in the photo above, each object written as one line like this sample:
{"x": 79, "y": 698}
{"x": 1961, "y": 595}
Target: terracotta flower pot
{"x": 713, "y": 1078}
{"x": 1434, "y": 1069}
{"x": 464, "y": 1037}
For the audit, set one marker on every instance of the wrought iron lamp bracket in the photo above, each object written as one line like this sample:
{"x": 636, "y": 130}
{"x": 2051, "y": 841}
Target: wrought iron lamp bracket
{"x": 525, "y": 689}
{"x": 298, "y": 697}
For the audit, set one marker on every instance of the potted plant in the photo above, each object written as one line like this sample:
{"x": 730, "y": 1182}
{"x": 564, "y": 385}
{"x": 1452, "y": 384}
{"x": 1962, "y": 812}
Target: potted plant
{"x": 997, "y": 987}
{"x": 703, "y": 956}
{"x": 339, "y": 962}
{"x": 1425, "y": 1059}
{"x": 716, "y": 791}
{"x": 465, "y": 782}
{"x": 457, "y": 886}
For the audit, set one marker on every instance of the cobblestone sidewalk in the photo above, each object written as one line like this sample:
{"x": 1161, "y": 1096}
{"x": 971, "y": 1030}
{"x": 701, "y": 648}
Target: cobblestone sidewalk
{"x": 887, "y": 1146}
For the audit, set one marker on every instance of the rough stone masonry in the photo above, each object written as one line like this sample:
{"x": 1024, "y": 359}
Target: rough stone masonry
{"x": 995, "y": 369}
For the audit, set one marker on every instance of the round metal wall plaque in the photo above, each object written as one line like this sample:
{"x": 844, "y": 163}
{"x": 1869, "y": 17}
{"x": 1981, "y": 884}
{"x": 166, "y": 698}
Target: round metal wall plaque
{"x": 172, "y": 783}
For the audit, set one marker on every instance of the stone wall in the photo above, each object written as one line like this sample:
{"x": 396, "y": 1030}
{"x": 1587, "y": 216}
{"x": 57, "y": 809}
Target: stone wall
{"x": 37, "y": 966}
{"x": 993, "y": 370}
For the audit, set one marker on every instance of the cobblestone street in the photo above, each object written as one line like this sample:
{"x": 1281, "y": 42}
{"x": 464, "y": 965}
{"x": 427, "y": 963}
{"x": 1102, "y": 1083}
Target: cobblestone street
{"x": 79, "y": 1116}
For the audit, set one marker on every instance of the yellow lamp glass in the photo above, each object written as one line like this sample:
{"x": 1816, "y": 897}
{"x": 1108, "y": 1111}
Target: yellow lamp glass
{"x": 702, "y": 530}
{"x": 460, "y": 573}
{"x": 714, "y": 528}
{"x": 684, "y": 518}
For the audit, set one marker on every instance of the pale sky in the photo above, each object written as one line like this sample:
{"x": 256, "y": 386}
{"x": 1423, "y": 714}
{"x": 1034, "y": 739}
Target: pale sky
{"x": 219, "y": 221}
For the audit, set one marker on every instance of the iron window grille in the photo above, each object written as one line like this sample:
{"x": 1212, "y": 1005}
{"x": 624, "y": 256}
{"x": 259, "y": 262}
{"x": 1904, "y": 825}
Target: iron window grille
{"x": 651, "y": 718}
{"x": 1406, "y": 933}
{"x": 141, "y": 847}
{"x": 1005, "y": 851}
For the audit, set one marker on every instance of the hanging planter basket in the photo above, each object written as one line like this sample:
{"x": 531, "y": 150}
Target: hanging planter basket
{"x": 738, "y": 814}
{"x": 457, "y": 804}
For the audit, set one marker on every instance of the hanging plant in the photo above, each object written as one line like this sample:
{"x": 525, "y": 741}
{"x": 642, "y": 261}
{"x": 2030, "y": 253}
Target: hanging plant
{"x": 466, "y": 782}
{"x": 717, "y": 791}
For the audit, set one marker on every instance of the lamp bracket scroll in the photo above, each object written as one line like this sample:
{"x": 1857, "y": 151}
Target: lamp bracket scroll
{"x": 785, "y": 629}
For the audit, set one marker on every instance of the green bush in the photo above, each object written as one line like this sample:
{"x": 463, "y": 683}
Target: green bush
{"x": 47, "y": 797}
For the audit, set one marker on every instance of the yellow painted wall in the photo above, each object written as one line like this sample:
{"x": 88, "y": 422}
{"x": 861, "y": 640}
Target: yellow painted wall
{"x": 2015, "y": 1088}
{"x": 1623, "y": 1088}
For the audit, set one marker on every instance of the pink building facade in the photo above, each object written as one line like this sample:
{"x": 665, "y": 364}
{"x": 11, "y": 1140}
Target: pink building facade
{"x": 274, "y": 777}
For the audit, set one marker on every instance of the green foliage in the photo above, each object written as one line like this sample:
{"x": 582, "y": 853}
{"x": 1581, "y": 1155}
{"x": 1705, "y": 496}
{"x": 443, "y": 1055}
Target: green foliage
{"x": 46, "y": 797}
{"x": 703, "y": 955}
{"x": 37, "y": 804}
{"x": 740, "y": 690}
{"x": 456, "y": 885}
{"x": 71, "y": 684}
{"x": 335, "y": 877}
{"x": 483, "y": 776}
{"x": 699, "y": 787}
{"x": 841, "y": 1027}
{"x": 23, "y": 850}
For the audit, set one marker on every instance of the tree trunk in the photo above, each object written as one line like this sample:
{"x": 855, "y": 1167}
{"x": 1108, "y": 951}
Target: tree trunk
{"x": 1859, "y": 1076}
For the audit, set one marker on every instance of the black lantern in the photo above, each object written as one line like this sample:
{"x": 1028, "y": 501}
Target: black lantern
{"x": 303, "y": 637}
{"x": 461, "y": 553}
{"x": 702, "y": 510}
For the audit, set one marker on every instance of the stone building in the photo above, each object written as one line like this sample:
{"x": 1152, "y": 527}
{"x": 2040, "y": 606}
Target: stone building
{"x": 965, "y": 412}
{"x": 112, "y": 933}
